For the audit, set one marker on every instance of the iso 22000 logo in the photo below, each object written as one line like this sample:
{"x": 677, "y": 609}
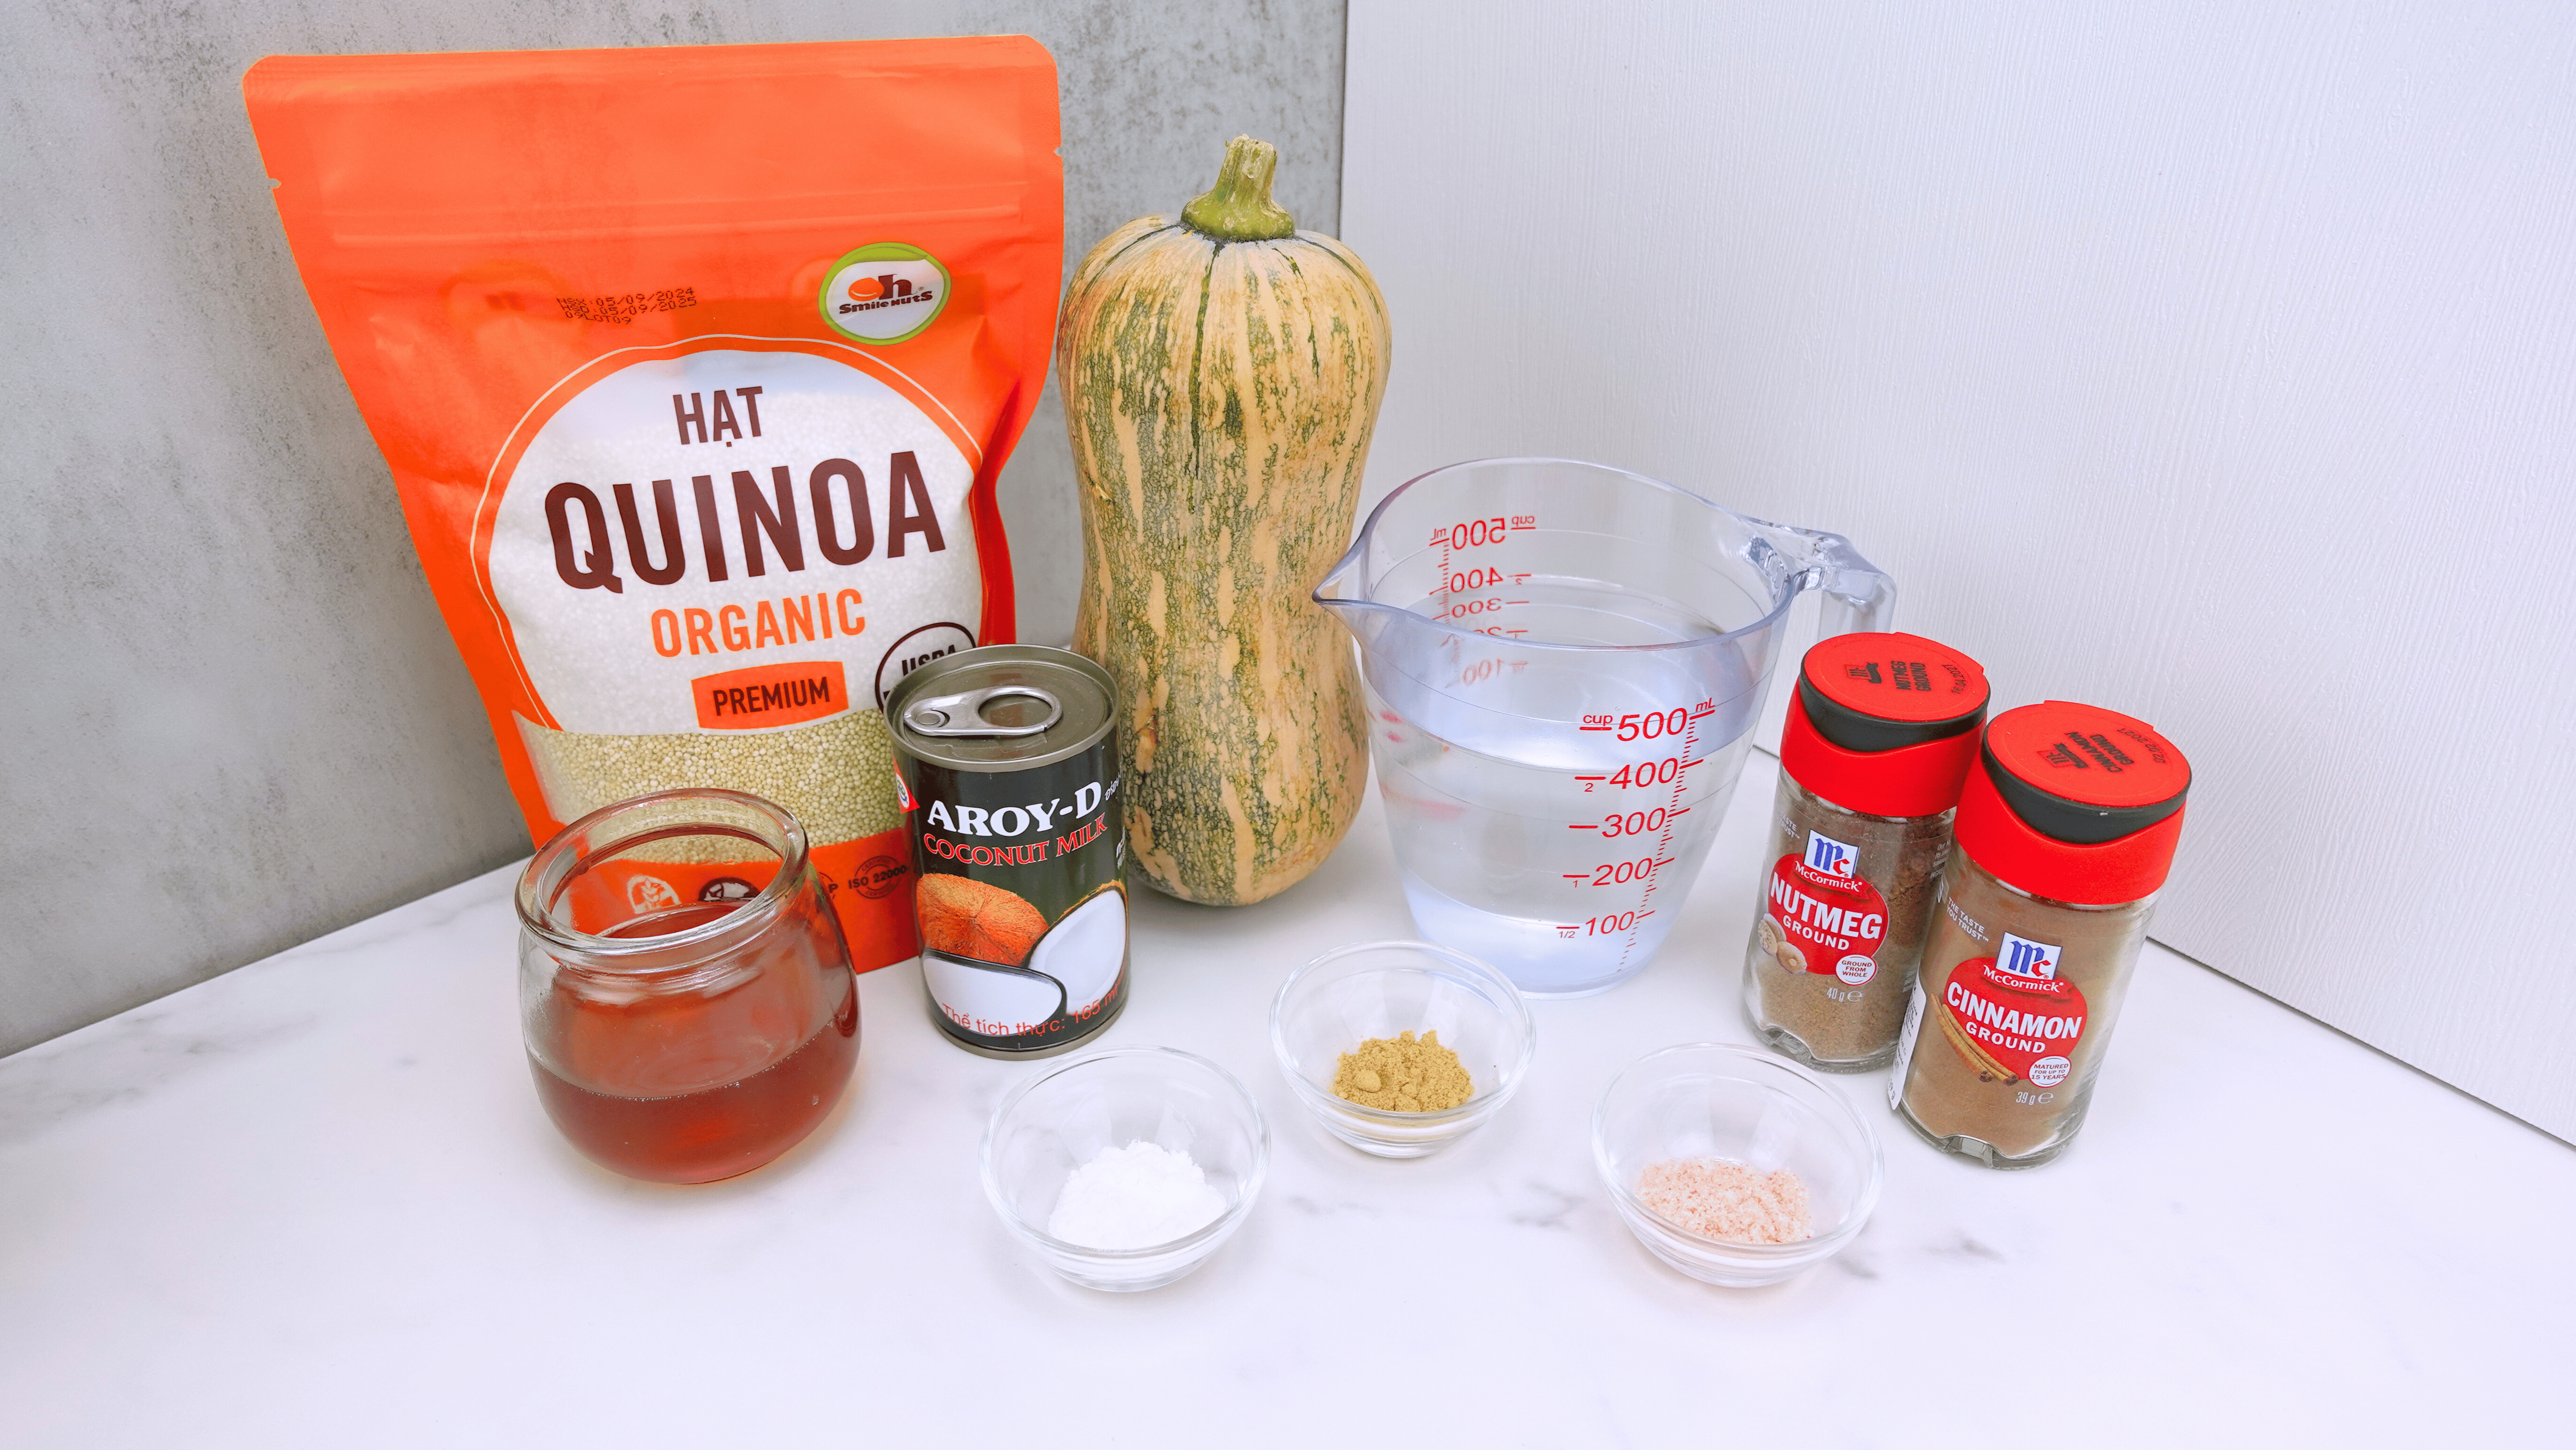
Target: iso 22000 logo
{"x": 884, "y": 292}
{"x": 878, "y": 876}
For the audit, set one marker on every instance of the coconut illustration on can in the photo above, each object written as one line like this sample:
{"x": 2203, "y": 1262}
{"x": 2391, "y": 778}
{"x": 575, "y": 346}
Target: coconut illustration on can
{"x": 1009, "y": 759}
{"x": 978, "y": 919}
{"x": 1086, "y": 949}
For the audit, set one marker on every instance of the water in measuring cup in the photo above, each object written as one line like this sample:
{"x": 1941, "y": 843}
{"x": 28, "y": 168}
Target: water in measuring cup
{"x": 1551, "y": 808}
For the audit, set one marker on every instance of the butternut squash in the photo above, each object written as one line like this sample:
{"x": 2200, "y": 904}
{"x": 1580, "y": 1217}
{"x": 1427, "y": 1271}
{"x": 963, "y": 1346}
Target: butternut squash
{"x": 1221, "y": 375}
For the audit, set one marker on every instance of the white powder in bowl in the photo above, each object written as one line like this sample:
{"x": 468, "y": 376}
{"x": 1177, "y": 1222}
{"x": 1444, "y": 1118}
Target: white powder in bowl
{"x": 1134, "y": 1198}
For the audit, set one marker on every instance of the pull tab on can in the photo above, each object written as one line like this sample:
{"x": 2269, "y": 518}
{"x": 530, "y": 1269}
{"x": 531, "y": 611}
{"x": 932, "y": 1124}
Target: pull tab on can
{"x": 962, "y": 715}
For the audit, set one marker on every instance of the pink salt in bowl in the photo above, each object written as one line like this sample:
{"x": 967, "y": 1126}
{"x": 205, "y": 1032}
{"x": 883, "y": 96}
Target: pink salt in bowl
{"x": 1745, "y": 1106}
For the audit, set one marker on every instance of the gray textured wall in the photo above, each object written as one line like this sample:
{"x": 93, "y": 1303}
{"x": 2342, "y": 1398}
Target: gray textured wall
{"x": 230, "y": 717}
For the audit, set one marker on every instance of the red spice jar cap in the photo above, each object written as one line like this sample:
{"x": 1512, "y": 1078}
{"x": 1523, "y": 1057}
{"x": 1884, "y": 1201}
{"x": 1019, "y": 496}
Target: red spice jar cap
{"x": 2075, "y": 803}
{"x": 1884, "y": 724}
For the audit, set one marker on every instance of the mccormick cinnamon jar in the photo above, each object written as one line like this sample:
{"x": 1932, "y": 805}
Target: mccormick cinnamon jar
{"x": 2065, "y": 832}
{"x": 1881, "y": 732}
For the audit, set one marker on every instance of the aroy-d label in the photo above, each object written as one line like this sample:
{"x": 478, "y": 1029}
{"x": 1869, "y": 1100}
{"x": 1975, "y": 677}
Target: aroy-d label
{"x": 2011, "y": 1016}
{"x": 1023, "y": 918}
{"x": 1821, "y": 911}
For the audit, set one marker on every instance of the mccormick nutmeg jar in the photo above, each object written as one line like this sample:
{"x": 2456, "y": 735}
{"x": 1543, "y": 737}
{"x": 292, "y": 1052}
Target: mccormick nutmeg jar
{"x": 2065, "y": 832}
{"x": 1881, "y": 732}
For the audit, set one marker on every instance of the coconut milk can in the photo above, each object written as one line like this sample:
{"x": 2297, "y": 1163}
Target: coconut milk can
{"x": 1008, "y": 759}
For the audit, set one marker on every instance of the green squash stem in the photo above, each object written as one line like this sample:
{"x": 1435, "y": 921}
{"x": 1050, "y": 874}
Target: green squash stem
{"x": 1238, "y": 208}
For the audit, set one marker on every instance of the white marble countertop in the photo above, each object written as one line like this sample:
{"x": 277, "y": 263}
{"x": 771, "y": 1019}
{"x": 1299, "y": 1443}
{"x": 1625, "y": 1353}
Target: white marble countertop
{"x": 314, "y": 1202}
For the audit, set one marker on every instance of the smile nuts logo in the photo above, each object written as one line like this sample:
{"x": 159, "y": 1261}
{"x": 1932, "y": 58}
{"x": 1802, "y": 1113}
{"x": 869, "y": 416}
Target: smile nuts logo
{"x": 884, "y": 292}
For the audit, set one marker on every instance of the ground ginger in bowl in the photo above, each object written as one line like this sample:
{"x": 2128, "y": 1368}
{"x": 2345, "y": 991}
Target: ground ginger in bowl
{"x": 1403, "y": 1074}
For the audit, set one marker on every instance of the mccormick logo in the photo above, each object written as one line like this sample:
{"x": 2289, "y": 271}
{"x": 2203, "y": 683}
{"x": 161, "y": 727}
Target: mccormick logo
{"x": 2034, "y": 960}
{"x": 1867, "y": 672}
{"x": 1829, "y": 857}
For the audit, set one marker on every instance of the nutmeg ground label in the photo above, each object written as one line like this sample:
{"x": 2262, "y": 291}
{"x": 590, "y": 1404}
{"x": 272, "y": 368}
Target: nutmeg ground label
{"x": 1821, "y": 916}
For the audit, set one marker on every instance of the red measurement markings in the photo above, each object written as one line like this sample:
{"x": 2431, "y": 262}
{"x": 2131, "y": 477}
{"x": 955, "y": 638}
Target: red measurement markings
{"x": 1622, "y": 873}
{"x": 1476, "y": 534}
{"x": 1613, "y": 923}
{"x": 1680, "y": 724}
{"x": 1643, "y": 774}
{"x": 1473, "y": 534}
{"x": 1638, "y": 823}
{"x": 1650, "y": 725}
{"x": 1476, "y": 672}
{"x": 1672, "y": 811}
{"x": 1474, "y": 579}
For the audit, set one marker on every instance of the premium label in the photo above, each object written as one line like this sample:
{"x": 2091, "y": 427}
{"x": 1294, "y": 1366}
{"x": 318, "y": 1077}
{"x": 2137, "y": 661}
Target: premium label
{"x": 1820, "y": 916}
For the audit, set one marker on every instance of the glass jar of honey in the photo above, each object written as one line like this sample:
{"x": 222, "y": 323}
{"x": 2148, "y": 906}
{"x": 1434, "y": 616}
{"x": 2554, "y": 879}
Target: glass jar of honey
{"x": 685, "y": 994}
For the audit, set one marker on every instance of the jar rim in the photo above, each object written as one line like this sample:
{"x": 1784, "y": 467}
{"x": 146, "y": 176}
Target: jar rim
{"x": 557, "y": 861}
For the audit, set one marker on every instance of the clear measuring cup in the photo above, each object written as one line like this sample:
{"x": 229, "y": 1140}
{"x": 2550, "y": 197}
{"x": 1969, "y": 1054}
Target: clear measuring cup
{"x": 1564, "y": 664}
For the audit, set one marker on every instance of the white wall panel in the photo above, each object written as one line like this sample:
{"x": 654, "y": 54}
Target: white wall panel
{"x": 2212, "y": 362}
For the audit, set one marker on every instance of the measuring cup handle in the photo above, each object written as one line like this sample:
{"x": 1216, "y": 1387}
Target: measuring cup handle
{"x": 1858, "y": 598}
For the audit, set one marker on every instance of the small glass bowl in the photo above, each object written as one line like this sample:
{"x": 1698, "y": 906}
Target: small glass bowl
{"x": 1722, "y": 1100}
{"x": 1061, "y": 1118}
{"x": 1378, "y": 989}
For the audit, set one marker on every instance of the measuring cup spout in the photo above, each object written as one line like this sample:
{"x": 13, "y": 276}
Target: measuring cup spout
{"x": 1343, "y": 592}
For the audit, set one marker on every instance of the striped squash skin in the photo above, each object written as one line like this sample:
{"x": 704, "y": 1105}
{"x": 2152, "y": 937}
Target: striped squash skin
{"x": 1220, "y": 398}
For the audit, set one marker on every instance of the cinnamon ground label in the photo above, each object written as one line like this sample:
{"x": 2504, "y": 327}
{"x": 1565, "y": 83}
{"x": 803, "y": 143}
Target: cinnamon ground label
{"x": 1822, "y": 916}
{"x": 2013, "y": 1019}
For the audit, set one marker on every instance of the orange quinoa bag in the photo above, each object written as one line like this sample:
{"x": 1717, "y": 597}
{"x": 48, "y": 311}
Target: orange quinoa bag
{"x": 695, "y": 368}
